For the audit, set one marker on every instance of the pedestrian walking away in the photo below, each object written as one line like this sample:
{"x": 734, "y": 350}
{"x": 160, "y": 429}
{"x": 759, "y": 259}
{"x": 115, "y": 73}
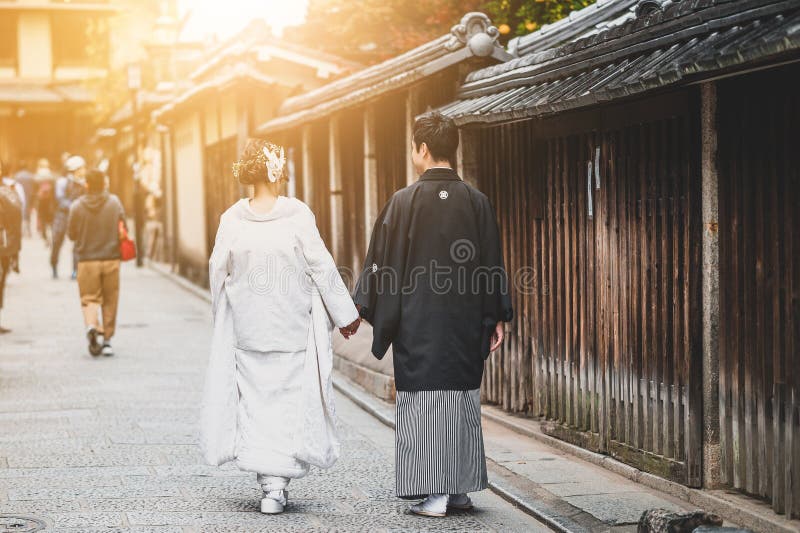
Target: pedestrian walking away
{"x": 94, "y": 225}
{"x": 45, "y": 199}
{"x": 434, "y": 287}
{"x": 25, "y": 178}
{"x": 276, "y": 294}
{"x": 68, "y": 188}
{"x": 11, "y": 212}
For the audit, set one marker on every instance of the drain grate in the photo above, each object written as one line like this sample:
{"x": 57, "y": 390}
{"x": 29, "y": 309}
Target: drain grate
{"x": 20, "y": 524}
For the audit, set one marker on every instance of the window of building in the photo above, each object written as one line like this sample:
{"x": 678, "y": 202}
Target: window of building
{"x": 79, "y": 40}
{"x": 8, "y": 40}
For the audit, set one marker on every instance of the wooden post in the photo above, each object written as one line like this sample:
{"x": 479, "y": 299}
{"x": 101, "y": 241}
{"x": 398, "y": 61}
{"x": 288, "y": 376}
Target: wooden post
{"x": 412, "y": 102}
{"x": 243, "y": 115}
{"x": 242, "y": 121}
{"x": 712, "y": 400}
{"x": 467, "y": 156}
{"x": 371, "y": 206}
{"x": 335, "y": 188}
{"x": 172, "y": 202}
{"x": 307, "y": 177}
{"x": 291, "y": 186}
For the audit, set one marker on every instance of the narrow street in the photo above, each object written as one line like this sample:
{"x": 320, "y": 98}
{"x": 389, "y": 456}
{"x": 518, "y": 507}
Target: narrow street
{"x": 108, "y": 444}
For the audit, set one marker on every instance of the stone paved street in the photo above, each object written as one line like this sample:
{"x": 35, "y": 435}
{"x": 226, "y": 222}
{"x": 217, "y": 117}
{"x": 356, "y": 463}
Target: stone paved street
{"x": 109, "y": 444}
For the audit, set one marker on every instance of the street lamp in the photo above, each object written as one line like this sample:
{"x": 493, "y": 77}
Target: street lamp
{"x": 134, "y": 86}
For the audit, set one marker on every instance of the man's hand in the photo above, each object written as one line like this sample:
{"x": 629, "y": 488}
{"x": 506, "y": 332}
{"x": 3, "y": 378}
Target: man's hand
{"x": 350, "y": 330}
{"x": 497, "y": 337}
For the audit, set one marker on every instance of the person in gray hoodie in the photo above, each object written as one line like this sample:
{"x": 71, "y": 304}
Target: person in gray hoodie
{"x": 94, "y": 225}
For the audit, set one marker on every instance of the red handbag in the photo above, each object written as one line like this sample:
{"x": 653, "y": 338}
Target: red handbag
{"x": 127, "y": 248}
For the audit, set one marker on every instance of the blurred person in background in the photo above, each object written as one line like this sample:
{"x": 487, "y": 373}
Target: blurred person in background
{"x": 68, "y": 189}
{"x": 94, "y": 224}
{"x": 11, "y": 181}
{"x": 25, "y": 178}
{"x": 10, "y": 235}
{"x": 45, "y": 198}
{"x": 153, "y": 226}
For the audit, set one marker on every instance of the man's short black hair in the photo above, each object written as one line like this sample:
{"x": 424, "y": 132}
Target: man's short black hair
{"x": 439, "y": 133}
{"x": 95, "y": 181}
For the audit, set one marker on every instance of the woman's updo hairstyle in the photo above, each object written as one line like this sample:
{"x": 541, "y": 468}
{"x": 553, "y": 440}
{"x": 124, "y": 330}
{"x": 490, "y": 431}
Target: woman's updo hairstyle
{"x": 261, "y": 161}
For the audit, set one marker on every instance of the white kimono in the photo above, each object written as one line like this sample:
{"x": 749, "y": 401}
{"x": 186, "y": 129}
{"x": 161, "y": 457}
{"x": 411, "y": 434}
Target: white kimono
{"x": 276, "y": 294}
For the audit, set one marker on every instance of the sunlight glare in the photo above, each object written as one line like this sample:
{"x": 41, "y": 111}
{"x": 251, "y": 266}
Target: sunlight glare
{"x": 224, "y": 18}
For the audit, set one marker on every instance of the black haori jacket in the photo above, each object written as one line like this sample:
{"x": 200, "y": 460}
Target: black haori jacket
{"x": 434, "y": 285}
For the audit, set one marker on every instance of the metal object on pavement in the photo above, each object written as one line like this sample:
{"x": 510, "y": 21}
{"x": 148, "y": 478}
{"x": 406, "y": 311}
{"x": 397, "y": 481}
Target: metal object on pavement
{"x": 20, "y": 524}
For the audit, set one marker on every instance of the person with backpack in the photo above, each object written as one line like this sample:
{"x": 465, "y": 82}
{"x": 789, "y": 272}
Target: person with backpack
{"x": 10, "y": 235}
{"x": 96, "y": 222}
{"x": 67, "y": 189}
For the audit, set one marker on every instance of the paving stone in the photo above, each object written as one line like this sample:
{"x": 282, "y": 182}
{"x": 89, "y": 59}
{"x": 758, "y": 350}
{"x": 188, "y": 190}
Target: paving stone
{"x": 174, "y": 504}
{"x": 86, "y": 519}
{"x": 37, "y": 508}
{"x": 62, "y": 473}
{"x": 538, "y": 474}
{"x": 103, "y": 458}
{"x": 624, "y": 508}
{"x": 81, "y": 493}
{"x": 278, "y": 522}
{"x": 589, "y": 487}
{"x": 83, "y": 529}
{"x": 89, "y": 481}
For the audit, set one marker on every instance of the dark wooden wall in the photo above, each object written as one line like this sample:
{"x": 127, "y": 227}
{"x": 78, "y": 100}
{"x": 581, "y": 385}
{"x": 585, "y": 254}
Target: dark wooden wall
{"x": 759, "y": 188}
{"x": 222, "y": 189}
{"x": 293, "y": 141}
{"x": 351, "y": 145}
{"x": 391, "y": 147}
{"x": 436, "y": 91}
{"x": 320, "y": 200}
{"x": 599, "y": 213}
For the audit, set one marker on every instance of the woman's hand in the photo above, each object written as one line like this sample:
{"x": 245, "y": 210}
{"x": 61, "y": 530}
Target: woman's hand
{"x": 497, "y": 337}
{"x": 351, "y": 329}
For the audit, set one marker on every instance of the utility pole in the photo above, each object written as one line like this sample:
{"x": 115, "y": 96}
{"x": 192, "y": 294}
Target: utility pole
{"x": 134, "y": 85}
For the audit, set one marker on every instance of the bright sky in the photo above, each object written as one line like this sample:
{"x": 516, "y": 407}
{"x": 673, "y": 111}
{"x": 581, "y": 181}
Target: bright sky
{"x": 226, "y": 17}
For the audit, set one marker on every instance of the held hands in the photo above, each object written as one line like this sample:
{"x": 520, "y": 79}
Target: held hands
{"x": 497, "y": 337}
{"x": 350, "y": 330}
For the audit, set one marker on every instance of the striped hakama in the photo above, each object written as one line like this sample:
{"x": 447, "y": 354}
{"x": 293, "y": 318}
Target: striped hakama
{"x": 439, "y": 443}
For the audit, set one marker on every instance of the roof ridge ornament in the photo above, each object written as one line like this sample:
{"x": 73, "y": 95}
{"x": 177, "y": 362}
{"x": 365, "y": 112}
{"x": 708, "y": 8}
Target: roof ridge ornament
{"x": 476, "y": 31}
{"x": 648, "y": 7}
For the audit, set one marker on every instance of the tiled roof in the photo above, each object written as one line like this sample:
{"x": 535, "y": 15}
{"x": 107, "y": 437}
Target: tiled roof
{"x": 147, "y": 101}
{"x": 596, "y": 17}
{"x": 238, "y": 58}
{"x": 241, "y": 71}
{"x": 474, "y": 36}
{"x": 256, "y": 37}
{"x": 687, "y": 41}
{"x": 22, "y": 93}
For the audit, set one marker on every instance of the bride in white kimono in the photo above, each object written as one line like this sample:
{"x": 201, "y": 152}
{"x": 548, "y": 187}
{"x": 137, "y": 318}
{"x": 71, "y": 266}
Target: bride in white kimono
{"x": 276, "y": 294}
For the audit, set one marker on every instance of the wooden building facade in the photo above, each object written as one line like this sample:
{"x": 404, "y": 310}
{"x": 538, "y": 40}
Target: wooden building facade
{"x": 759, "y": 336}
{"x": 49, "y": 76}
{"x": 206, "y": 126}
{"x": 646, "y": 186}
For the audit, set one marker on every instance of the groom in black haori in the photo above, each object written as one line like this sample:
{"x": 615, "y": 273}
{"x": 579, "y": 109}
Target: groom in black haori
{"x": 435, "y": 288}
